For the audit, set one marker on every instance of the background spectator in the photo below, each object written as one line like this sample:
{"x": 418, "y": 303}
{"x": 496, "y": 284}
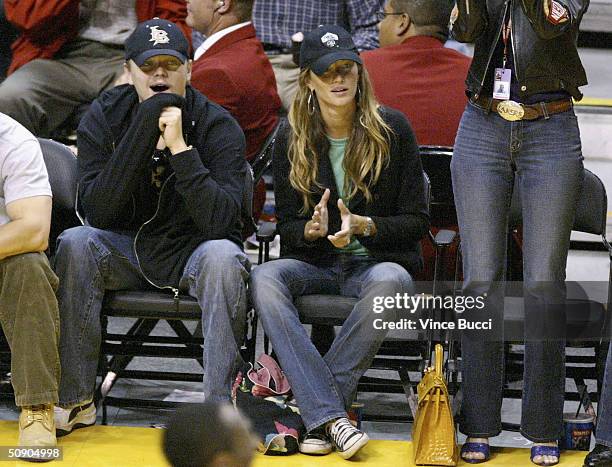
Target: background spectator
{"x": 79, "y": 43}
{"x": 413, "y": 71}
{"x": 231, "y": 68}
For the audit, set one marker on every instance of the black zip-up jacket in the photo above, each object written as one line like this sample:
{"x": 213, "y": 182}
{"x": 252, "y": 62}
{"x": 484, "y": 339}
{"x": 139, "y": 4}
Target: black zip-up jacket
{"x": 199, "y": 201}
{"x": 545, "y": 54}
{"x": 398, "y": 206}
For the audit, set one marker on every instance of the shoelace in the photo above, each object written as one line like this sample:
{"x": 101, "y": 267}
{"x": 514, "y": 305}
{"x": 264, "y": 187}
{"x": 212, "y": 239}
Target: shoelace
{"x": 342, "y": 431}
{"x": 35, "y": 414}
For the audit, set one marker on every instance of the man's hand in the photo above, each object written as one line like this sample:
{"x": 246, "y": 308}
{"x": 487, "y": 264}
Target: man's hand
{"x": 317, "y": 226}
{"x": 352, "y": 224}
{"x": 171, "y": 127}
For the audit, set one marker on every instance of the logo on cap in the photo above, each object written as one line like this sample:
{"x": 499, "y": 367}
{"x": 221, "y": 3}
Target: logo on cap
{"x": 329, "y": 39}
{"x": 158, "y": 36}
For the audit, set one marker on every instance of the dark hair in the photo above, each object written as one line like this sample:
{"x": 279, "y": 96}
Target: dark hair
{"x": 196, "y": 434}
{"x": 243, "y": 9}
{"x": 425, "y": 12}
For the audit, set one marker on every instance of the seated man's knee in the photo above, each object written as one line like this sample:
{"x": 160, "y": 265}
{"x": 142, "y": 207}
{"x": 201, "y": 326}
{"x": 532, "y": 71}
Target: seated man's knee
{"x": 221, "y": 259}
{"x": 15, "y": 93}
{"x": 74, "y": 241}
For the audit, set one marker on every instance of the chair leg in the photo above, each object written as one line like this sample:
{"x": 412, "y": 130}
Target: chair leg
{"x": 142, "y": 327}
{"x": 104, "y": 413}
{"x": 250, "y": 342}
{"x": 181, "y": 331}
{"x": 408, "y": 390}
{"x": 322, "y": 337}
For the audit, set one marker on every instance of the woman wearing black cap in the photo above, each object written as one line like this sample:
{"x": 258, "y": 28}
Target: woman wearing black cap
{"x": 351, "y": 205}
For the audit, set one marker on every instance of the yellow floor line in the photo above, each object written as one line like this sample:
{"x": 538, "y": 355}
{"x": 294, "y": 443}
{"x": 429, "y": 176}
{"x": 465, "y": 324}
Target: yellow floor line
{"x": 594, "y": 101}
{"x": 113, "y": 446}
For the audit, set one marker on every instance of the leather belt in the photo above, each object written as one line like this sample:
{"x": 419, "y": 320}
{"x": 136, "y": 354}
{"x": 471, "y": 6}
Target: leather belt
{"x": 513, "y": 111}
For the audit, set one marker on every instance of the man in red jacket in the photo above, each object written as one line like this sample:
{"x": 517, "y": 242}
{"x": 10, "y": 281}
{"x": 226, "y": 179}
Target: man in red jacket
{"x": 231, "y": 69}
{"x": 68, "y": 51}
{"x": 413, "y": 71}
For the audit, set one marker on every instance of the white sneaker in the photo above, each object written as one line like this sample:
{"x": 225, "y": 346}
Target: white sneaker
{"x": 347, "y": 439}
{"x": 80, "y": 416}
{"x": 315, "y": 443}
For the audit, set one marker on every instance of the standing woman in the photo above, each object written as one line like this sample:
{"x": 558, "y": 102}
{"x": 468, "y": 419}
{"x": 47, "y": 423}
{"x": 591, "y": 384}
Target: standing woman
{"x": 519, "y": 124}
{"x": 351, "y": 206}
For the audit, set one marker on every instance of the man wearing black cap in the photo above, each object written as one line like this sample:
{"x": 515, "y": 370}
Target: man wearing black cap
{"x": 161, "y": 177}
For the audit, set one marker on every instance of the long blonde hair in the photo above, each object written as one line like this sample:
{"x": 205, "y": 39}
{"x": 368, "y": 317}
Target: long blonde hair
{"x": 366, "y": 153}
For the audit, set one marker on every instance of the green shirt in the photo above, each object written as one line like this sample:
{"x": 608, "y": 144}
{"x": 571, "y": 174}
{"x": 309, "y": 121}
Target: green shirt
{"x": 336, "y": 155}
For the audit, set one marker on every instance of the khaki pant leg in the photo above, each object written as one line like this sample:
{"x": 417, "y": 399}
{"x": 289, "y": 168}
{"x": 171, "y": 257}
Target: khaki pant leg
{"x": 286, "y": 73}
{"x": 29, "y": 317}
{"x": 43, "y": 94}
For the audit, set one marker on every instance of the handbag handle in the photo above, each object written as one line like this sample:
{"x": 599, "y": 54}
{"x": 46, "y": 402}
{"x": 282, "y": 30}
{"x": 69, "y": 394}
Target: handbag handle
{"x": 439, "y": 359}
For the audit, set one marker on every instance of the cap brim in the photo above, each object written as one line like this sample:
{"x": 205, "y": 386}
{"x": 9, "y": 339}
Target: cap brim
{"x": 140, "y": 59}
{"x": 321, "y": 65}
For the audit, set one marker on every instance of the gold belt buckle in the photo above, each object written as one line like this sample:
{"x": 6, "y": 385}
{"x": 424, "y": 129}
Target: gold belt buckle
{"x": 510, "y": 110}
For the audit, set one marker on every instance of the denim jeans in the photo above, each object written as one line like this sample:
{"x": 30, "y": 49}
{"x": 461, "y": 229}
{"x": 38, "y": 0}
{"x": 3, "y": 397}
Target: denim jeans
{"x": 325, "y": 387}
{"x": 30, "y": 321}
{"x": 89, "y": 261}
{"x": 603, "y": 434}
{"x": 545, "y": 156}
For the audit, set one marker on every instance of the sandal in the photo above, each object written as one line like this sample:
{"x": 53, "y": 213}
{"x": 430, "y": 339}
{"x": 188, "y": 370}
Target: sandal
{"x": 482, "y": 448}
{"x": 545, "y": 451}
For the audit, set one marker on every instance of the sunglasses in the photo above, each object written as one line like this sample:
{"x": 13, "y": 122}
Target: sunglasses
{"x": 381, "y": 15}
{"x": 168, "y": 63}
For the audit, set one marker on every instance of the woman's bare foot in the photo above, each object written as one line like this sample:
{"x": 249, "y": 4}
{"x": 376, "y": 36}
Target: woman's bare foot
{"x": 467, "y": 455}
{"x": 545, "y": 460}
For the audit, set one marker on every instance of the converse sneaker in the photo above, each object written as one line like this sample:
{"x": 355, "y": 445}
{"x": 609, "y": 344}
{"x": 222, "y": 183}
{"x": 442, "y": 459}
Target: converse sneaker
{"x": 346, "y": 438}
{"x": 37, "y": 428}
{"x": 80, "y": 416}
{"x": 315, "y": 443}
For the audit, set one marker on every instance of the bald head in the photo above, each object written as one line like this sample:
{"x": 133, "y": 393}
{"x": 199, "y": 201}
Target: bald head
{"x": 415, "y": 18}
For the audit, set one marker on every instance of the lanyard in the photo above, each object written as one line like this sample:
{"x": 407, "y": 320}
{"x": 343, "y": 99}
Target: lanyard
{"x": 506, "y": 31}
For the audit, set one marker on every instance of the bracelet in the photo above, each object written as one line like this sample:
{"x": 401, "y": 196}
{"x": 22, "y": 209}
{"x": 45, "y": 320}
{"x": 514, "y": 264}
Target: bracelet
{"x": 368, "y": 228}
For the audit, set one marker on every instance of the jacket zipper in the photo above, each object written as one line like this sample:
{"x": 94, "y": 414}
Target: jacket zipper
{"x": 493, "y": 47}
{"x": 161, "y": 287}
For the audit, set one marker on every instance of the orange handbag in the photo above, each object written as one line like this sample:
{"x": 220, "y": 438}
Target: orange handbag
{"x": 434, "y": 439}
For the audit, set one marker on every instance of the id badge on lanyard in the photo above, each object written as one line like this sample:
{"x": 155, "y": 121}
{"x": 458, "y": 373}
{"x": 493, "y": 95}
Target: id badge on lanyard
{"x": 503, "y": 75}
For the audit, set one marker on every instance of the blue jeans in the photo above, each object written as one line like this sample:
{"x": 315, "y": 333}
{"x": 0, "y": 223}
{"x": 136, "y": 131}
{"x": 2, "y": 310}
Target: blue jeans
{"x": 603, "y": 434}
{"x": 325, "y": 387}
{"x": 545, "y": 156}
{"x": 89, "y": 261}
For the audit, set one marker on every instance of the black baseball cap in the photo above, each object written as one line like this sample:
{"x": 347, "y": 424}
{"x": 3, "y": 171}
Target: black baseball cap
{"x": 156, "y": 37}
{"x": 325, "y": 45}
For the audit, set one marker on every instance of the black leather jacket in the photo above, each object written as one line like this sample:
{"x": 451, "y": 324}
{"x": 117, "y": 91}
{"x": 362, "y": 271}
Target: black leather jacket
{"x": 545, "y": 54}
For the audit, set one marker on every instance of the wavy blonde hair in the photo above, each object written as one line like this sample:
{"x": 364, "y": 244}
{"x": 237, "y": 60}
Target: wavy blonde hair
{"x": 367, "y": 149}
